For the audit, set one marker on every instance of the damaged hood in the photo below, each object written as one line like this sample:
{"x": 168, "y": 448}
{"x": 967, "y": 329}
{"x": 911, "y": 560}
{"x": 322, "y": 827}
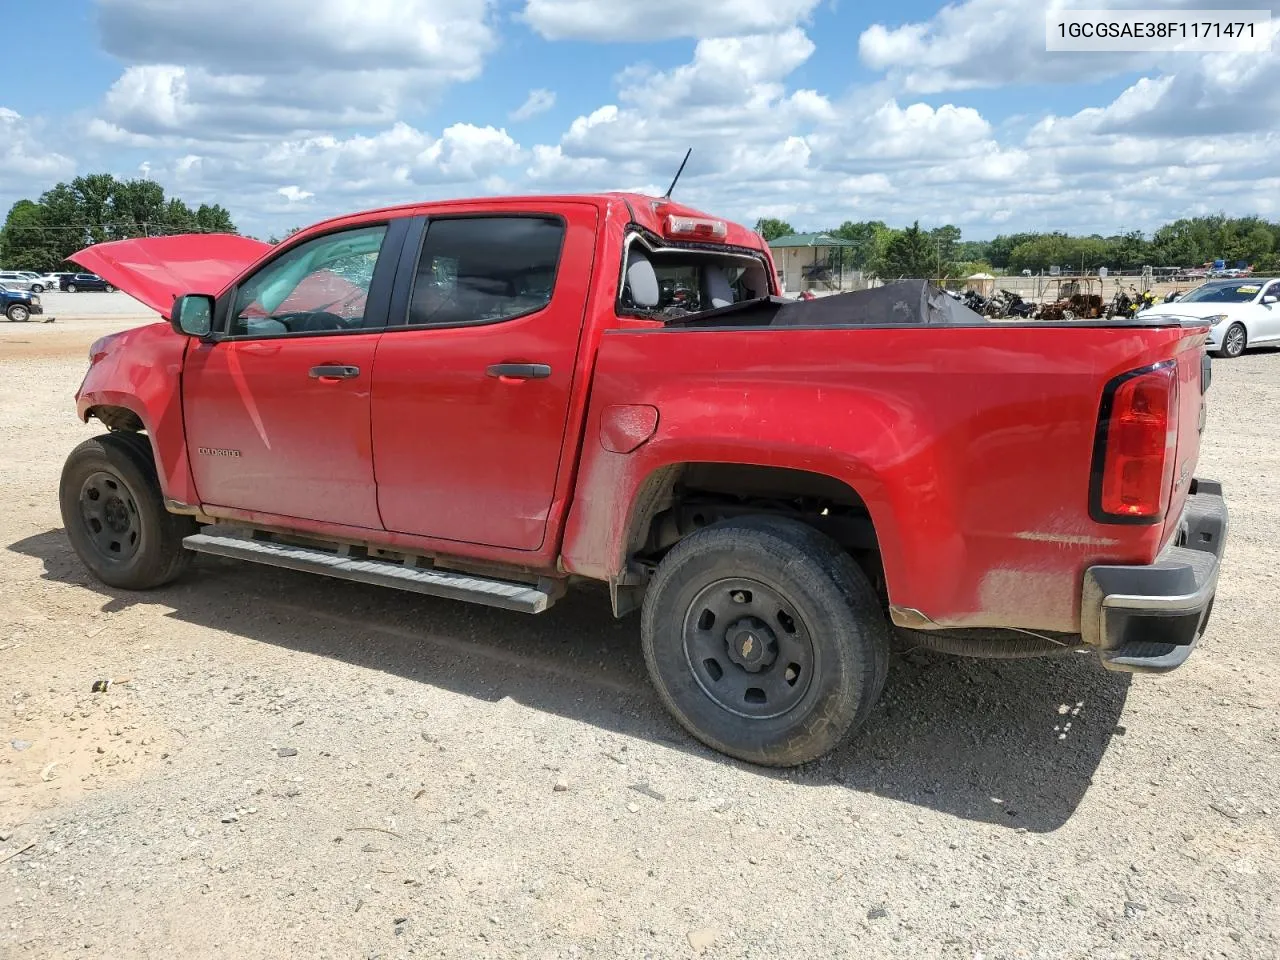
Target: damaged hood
{"x": 158, "y": 270}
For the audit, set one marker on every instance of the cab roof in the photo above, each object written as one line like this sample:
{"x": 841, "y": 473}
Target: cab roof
{"x": 648, "y": 212}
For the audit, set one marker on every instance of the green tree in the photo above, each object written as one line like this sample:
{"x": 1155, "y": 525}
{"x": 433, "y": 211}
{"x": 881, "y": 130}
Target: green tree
{"x": 947, "y": 240}
{"x": 42, "y": 234}
{"x": 909, "y": 253}
{"x": 215, "y": 219}
{"x": 25, "y": 241}
{"x": 1130, "y": 251}
{"x": 869, "y": 238}
{"x": 772, "y": 228}
{"x": 1039, "y": 253}
{"x": 1000, "y": 250}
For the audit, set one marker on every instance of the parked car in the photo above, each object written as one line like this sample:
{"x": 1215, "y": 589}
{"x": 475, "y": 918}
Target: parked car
{"x": 1243, "y": 313}
{"x": 19, "y": 305}
{"x": 75, "y": 282}
{"x": 486, "y": 399}
{"x": 22, "y": 280}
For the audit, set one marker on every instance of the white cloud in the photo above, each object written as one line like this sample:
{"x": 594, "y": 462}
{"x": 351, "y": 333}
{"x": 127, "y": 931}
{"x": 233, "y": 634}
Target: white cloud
{"x": 210, "y": 69}
{"x": 627, "y": 20}
{"x": 294, "y": 194}
{"x": 293, "y": 121}
{"x": 26, "y": 164}
{"x": 538, "y": 101}
{"x": 993, "y": 43}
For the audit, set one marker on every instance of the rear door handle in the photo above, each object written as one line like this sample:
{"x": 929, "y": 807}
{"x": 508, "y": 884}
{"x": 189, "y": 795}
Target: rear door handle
{"x": 334, "y": 372}
{"x": 520, "y": 371}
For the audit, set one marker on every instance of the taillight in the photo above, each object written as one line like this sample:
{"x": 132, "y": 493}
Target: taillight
{"x": 1136, "y": 444}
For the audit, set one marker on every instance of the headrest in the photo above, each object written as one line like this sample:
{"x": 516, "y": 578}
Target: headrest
{"x": 642, "y": 280}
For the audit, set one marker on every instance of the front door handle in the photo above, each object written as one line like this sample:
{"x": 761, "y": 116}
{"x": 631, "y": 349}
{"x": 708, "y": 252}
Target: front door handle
{"x": 334, "y": 372}
{"x": 520, "y": 371}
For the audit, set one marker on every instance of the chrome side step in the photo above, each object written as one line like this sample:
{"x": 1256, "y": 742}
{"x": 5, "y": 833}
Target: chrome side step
{"x": 523, "y": 597}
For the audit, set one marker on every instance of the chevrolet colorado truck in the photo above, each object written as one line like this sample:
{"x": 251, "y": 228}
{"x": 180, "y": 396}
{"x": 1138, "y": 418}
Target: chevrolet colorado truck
{"x": 485, "y": 400}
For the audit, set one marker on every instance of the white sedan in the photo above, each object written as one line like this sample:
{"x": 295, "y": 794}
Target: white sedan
{"x": 1245, "y": 313}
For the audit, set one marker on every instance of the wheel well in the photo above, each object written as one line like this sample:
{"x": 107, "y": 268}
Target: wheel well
{"x": 120, "y": 419}
{"x": 681, "y": 499}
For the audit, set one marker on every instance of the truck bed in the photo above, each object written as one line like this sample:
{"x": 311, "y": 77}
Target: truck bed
{"x": 971, "y": 445}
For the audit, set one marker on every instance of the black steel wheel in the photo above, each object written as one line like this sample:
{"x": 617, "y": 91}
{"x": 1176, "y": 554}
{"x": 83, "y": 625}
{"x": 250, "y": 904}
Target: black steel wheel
{"x": 764, "y": 640}
{"x": 1234, "y": 341}
{"x": 109, "y": 512}
{"x": 748, "y": 648}
{"x": 115, "y": 517}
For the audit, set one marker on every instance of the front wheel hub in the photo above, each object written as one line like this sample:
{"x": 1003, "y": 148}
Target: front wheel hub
{"x": 751, "y": 644}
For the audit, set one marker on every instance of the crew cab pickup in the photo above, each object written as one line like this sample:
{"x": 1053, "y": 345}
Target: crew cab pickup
{"x": 484, "y": 400}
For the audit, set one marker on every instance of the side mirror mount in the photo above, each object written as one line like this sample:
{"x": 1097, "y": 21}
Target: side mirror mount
{"x": 192, "y": 315}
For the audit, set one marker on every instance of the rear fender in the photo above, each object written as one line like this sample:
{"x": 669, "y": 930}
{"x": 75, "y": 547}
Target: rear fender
{"x": 140, "y": 371}
{"x": 894, "y": 472}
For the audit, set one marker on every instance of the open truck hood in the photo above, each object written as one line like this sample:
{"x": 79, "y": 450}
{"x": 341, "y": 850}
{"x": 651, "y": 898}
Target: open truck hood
{"x": 157, "y": 270}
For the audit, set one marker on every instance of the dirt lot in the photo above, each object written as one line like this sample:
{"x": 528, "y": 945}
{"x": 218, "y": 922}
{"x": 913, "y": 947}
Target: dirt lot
{"x": 989, "y": 810}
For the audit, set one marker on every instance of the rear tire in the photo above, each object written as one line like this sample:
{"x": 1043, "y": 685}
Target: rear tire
{"x": 109, "y": 288}
{"x": 765, "y": 640}
{"x": 18, "y": 313}
{"x": 37, "y": 288}
{"x": 71, "y": 288}
{"x": 114, "y": 514}
{"x": 1234, "y": 342}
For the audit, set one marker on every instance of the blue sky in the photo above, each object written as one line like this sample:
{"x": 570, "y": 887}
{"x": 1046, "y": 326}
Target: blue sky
{"x": 814, "y": 110}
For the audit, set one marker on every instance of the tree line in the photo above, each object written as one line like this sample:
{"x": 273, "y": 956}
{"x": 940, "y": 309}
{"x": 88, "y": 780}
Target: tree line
{"x": 41, "y": 234}
{"x": 914, "y": 252}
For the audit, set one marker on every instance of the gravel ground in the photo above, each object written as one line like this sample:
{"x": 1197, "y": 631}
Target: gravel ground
{"x": 307, "y": 767}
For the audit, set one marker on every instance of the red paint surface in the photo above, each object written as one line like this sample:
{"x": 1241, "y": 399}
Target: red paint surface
{"x": 624, "y": 426}
{"x": 971, "y": 448}
{"x": 461, "y": 455}
{"x": 303, "y": 443}
{"x": 157, "y": 270}
{"x": 140, "y": 370}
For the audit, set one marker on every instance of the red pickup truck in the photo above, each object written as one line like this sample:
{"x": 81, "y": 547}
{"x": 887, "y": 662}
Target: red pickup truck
{"x": 487, "y": 399}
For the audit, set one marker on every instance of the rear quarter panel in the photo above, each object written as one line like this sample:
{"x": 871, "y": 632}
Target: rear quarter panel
{"x": 971, "y": 447}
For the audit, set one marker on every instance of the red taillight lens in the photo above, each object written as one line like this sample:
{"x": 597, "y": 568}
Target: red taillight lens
{"x": 1138, "y": 436}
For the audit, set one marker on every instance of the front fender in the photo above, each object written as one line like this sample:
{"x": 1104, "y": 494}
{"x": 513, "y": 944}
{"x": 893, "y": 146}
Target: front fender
{"x": 140, "y": 370}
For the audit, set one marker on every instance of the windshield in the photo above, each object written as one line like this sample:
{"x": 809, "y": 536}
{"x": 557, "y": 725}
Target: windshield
{"x": 1223, "y": 293}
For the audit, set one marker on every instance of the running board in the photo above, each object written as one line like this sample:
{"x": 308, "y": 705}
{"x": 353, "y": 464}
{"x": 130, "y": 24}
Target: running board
{"x": 523, "y": 597}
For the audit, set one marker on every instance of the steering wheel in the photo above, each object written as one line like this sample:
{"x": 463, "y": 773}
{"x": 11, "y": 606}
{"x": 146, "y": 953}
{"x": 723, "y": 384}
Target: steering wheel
{"x": 312, "y": 321}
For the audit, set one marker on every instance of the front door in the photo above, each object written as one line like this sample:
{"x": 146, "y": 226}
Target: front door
{"x": 1267, "y": 315}
{"x": 277, "y": 411}
{"x": 471, "y": 396}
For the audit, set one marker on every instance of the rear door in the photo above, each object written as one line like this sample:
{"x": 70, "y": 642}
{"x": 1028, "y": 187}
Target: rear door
{"x": 471, "y": 390}
{"x": 277, "y": 412}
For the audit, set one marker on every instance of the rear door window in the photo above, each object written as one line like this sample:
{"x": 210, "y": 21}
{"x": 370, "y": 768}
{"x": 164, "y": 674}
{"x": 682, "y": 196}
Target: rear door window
{"x": 485, "y": 269}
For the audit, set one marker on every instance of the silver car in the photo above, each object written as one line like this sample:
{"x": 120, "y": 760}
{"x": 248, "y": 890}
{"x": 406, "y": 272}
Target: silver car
{"x": 23, "y": 280}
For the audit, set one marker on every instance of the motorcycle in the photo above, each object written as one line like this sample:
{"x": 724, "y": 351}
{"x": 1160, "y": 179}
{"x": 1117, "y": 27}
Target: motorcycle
{"x": 1009, "y": 304}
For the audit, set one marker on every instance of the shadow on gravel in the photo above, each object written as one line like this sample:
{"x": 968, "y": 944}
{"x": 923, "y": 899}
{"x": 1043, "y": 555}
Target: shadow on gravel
{"x": 1011, "y": 743}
